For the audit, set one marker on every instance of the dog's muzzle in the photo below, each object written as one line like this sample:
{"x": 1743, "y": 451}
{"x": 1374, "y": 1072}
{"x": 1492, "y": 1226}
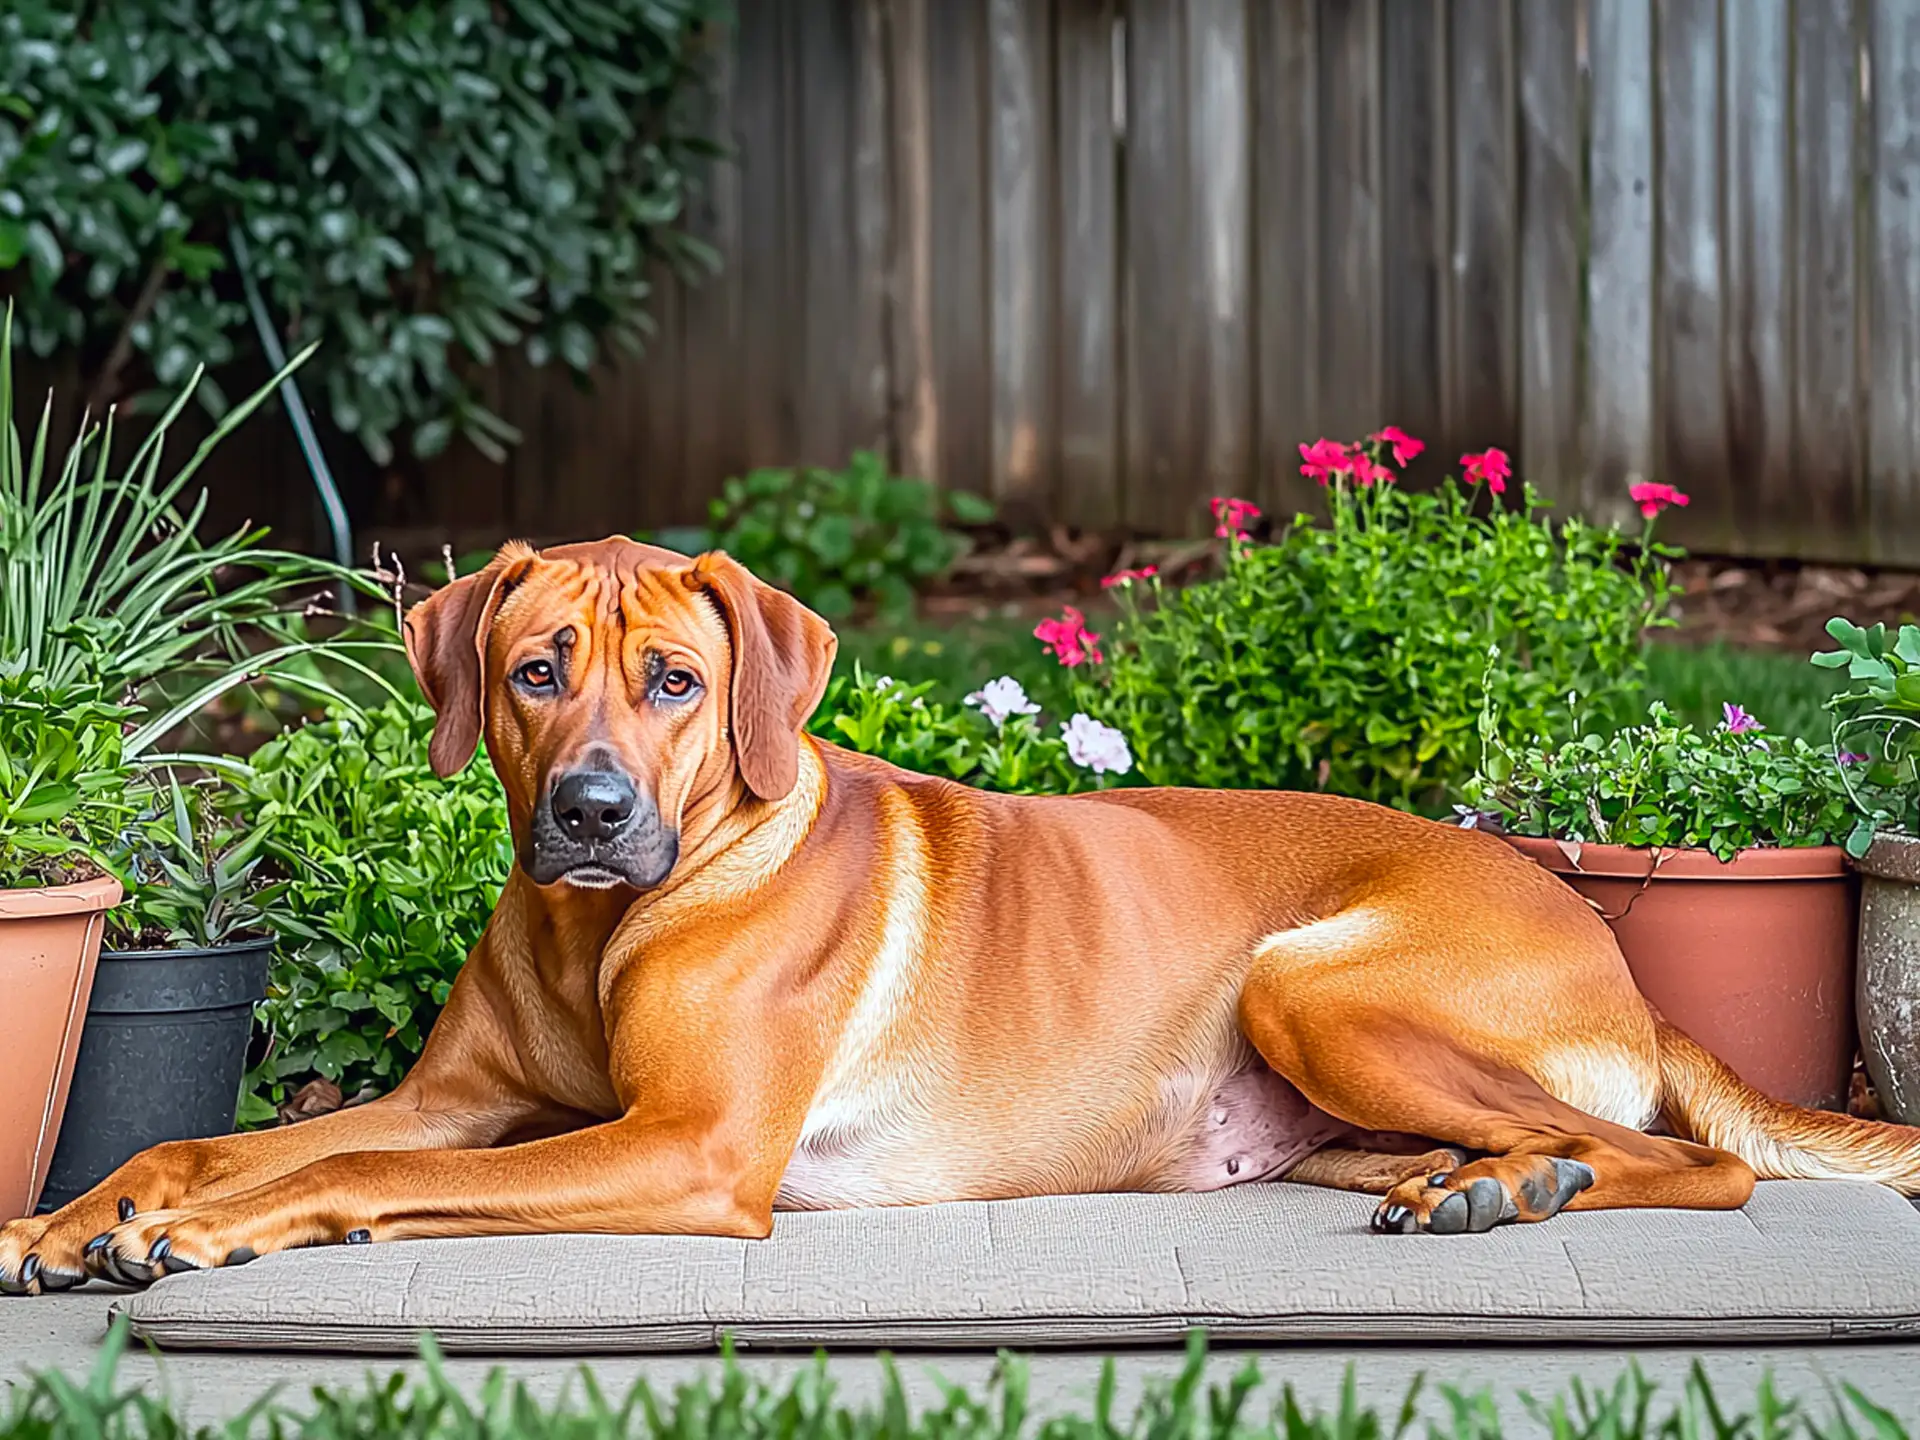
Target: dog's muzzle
{"x": 596, "y": 830}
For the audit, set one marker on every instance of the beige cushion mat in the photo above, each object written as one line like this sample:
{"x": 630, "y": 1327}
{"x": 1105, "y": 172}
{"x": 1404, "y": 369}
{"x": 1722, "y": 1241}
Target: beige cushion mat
{"x": 1803, "y": 1261}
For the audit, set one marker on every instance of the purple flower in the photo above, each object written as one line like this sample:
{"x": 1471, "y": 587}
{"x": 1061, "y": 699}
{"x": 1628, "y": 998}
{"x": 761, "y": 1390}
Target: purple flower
{"x": 1852, "y": 757}
{"x": 1739, "y": 722}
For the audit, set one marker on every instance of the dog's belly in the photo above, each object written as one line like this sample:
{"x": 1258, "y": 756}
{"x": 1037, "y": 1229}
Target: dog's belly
{"x": 1207, "y": 1132}
{"x": 1255, "y": 1126}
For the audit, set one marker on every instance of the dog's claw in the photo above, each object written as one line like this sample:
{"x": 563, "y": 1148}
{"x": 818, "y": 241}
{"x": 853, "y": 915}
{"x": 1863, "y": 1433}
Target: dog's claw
{"x": 359, "y": 1237}
{"x": 161, "y": 1248}
{"x": 126, "y": 1209}
{"x": 239, "y": 1255}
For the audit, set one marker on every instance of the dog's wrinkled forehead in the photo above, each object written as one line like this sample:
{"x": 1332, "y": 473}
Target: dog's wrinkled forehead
{"x": 617, "y": 588}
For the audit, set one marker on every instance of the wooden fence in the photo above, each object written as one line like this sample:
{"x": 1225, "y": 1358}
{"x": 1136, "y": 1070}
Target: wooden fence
{"x": 1105, "y": 258}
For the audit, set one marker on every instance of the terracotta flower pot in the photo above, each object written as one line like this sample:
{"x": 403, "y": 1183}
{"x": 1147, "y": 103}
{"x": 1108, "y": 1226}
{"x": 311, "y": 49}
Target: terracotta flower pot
{"x": 1889, "y": 994}
{"x": 49, "y": 944}
{"x": 1754, "y": 958}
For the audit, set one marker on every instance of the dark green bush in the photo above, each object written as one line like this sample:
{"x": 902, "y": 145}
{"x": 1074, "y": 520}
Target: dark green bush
{"x": 391, "y": 873}
{"x": 422, "y": 187}
{"x": 1355, "y": 656}
{"x": 840, "y": 539}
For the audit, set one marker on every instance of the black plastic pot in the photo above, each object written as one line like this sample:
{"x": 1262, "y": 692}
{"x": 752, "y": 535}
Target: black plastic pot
{"x": 161, "y": 1058}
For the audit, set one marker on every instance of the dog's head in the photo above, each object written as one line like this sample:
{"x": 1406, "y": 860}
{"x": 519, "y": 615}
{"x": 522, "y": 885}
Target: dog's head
{"x": 621, "y": 689}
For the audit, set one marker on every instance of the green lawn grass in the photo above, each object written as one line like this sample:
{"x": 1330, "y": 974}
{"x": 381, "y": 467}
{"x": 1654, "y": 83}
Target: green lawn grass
{"x": 731, "y": 1404}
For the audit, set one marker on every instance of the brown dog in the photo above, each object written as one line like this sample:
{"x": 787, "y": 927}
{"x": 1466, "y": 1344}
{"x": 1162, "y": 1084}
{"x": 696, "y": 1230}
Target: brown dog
{"x": 737, "y": 970}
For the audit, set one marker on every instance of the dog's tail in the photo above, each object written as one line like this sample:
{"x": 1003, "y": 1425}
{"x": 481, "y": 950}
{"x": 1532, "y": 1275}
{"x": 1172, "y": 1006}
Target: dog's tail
{"x": 1703, "y": 1100}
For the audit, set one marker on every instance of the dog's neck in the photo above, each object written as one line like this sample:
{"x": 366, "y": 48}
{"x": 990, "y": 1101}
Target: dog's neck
{"x": 736, "y": 843}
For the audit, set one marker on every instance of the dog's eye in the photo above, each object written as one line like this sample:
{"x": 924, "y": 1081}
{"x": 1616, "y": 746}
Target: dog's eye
{"x": 535, "y": 675}
{"x": 678, "y": 684}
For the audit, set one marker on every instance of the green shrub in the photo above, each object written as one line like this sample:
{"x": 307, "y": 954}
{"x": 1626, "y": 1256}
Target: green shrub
{"x": 64, "y": 778}
{"x": 421, "y": 187}
{"x": 994, "y": 740}
{"x": 1876, "y": 724}
{"x": 840, "y": 539}
{"x": 1352, "y": 656}
{"x": 1666, "y": 784}
{"x": 730, "y": 1403}
{"x": 391, "y": 873}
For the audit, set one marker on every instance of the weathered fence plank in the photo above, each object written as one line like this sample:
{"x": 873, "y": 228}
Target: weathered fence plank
{"x": 1689, "y": 308}
{"x": 1893, "y": 313}
{"x": 1160, "y": 322}
{"x": 1829, "y": 510}
{"x": 1757, "y": 189}
{"x": 769, "y": 326}
{"x": 1550, "y": 229}
{"x": 1086, "y": 261}
{"x": 1414, "y": 240}
{"x": 1221, "y": 295}
{"x": 963, "y": 354}
{"x": 1020, "y": 187}
{"x": 1286, "y": 245}
{"x": 1483, "y": 359}
{"x": 1620, "y": 269}
{"x": 1350, "y": 316}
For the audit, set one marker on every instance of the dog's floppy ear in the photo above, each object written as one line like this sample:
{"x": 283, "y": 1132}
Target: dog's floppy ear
{"x": 446, "y": 636}
{"x": 782, "y": 656}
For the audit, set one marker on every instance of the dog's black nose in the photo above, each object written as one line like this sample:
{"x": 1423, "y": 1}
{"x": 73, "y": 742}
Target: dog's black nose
{"x": 593, "y": 805}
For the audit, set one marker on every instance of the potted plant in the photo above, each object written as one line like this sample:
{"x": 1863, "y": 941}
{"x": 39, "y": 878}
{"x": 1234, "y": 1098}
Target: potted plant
{"x": 171, "y": 1013}
{"x": 1876, "y": 739}
{"x": 1717, "y": 860}
{"x": 63, "y": 783}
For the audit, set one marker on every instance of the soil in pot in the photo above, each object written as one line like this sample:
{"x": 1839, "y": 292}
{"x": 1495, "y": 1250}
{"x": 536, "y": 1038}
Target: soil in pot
{"x": 1754, "y": 958}
{"x": 161, "y": 1058}
{"x": 49, "y": 945}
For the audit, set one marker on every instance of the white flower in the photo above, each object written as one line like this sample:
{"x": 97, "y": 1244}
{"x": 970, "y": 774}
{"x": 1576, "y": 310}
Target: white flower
{"x": 999, "y": 699}
{"x": 1101, "y": 748}
{"x": 882, "y": 684}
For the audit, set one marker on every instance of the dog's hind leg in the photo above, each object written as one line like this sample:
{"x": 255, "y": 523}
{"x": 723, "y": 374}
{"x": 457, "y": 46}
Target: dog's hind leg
{"x": 1378, "y": 1027}
{"x": 1372, "y": 1172}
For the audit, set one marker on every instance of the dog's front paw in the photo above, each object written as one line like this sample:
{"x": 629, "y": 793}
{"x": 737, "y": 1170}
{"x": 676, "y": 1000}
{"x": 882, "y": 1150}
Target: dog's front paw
{"x": 147, "y": 1247}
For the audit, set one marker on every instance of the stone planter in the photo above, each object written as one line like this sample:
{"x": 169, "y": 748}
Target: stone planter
{"x": 1753, "y": 958}
{"x": 1888, "y": 995}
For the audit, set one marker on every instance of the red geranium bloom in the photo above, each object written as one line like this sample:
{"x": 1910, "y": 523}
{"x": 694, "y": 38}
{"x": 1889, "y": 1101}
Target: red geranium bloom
{"x": 1068, "y": 640}
{"x": 1652, "y": 499}
{"x": 1490, "y": 466}
{"x": 1403, "y": 445}
{"x": 1121, "y": 577}
{"x": 1231, "y": 517}
{"x": 1325, "y": 459}
{"x": 1367, "y": 470}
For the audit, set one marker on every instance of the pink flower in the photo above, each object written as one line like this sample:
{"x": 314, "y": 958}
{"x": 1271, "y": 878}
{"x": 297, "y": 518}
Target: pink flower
{"x": 1367, "y": 470}
{"x": 1490, "y": 466}
{"x": 1068, "y": 640}
{"x": 1324, "y": 459}
{"x": 1853, "y": 757}
{"x": 1404, "y": 446}
{"x": 1739, "y": 722}
{"x": 1231, "y": 517}
{"x": 1652, "y": 499}
{"x": 1127, "y": 577}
